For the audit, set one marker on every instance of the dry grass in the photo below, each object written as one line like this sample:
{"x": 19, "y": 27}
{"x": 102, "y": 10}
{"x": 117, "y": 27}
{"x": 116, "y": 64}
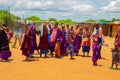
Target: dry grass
{"x": 59, "y": 69}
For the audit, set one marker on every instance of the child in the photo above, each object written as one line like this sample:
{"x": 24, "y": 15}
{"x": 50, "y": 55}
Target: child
{"x": 86, "y": 46}
{"x": 70, "y": 49}
{"x": 57, "y": 48}
{"x": 115, "y": 58}
{"x": 86, "y": 42}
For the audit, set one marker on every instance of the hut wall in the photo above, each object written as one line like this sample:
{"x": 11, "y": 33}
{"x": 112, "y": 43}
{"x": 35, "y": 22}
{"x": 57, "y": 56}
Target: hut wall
{"x": 89, "y": 25}
{"x": 114, "y": 30}
{"x": 105, "y": 28}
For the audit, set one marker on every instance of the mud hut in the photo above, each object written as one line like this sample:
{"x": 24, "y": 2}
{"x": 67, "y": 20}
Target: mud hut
{"x": 104, "y": 26}
{"x": 90, "y": 25}
{"x": 112, "y": 28}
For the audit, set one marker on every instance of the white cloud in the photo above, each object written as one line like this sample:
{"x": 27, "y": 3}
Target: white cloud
{"x": 84, "y": 7}
{"x": 78, "y": 10}
{"x": 113, "y": 6}
{"x": 33, "y": 4}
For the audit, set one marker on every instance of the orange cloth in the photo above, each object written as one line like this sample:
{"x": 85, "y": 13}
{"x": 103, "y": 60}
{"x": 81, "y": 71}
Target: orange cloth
{"x": 57, "y": 49}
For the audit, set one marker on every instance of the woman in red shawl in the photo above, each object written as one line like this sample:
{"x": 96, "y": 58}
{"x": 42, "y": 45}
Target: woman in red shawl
{"x": 43, "y": 44}
{"x": 26, "y": 46}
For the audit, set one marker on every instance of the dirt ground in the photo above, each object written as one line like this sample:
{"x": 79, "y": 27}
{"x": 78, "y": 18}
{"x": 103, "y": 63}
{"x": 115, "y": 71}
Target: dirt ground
{"x": 59, "y": 69}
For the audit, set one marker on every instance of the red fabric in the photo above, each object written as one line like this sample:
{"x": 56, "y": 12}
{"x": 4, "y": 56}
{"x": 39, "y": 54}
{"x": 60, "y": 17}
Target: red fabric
{"x": 43, "y": 44}
{"x": 87, "y": 43}
{"x": 11, "y": 34}
{"x": 27, "y": 42}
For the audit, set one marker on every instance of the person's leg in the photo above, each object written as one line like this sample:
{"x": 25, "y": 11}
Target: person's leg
{"x": 111, "y": 67}
{"x": 27, "y": 59}
{"x": 94, "y": 63}
{"x": 46, "y": 55}
{"x": 59, "y": 53}
{"x": 88, "y": 50}
{"x": 71, "y": 54}
{"x": 14, "y": 45}
{"x": 40, "y": 53}
{"x": 83, "y": 54}
{"x": 20, "y": 40}
{"x": 116, "y": 66}
{"x": 87, "y": 54}
{"x": 51, "y": 51}
{"x": 46, "y": 52}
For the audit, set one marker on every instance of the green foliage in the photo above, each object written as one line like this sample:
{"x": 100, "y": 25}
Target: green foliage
{"x": 33, "y": 18}
{"x": 8, "y": 18}
{"x": 67, "y": 21}
{"x": 52, "y": 19}
{"x": 102, "y": 20}
{"x": 1, "y": 21}
{"x": 91, "y": 20}
{"x": 114, "y": 19}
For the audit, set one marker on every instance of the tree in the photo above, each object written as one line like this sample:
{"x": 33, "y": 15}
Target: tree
{"x": 102, "y": 20}
{"x": 52, "y": 19}
{"x": 8, "y": 18}
{"x": 33, "y": 18}
{"x": 91, "y": 20}
{"x": 113, "y": 19}
{"x": 1, "y": 21}
{"x": 66, "y": 21}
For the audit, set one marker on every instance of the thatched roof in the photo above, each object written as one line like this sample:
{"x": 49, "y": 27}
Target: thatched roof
{"x": 116, "y": 22}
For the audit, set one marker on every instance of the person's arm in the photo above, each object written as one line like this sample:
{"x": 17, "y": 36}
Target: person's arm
{"x": 116, "y": 37}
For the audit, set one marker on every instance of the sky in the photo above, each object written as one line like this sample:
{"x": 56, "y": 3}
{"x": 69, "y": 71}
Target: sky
{"x": 77, "y": 10}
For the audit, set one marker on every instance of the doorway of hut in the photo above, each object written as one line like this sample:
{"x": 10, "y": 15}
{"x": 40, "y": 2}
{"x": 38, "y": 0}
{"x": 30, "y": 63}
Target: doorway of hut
{"x": 111, "y": 30}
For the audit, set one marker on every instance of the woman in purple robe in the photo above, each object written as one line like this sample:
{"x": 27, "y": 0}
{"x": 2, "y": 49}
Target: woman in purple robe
{"x": 54, "y": 36}
{"x": 26, "y": 46}
{"x": 95, "y": 56}
{"x": 77, "y": 40}
{"x": 63, "y": 41}
{"x": 95, "y": 47}
{"x": 5, "y": 52}
{"x": 34, "y": 44}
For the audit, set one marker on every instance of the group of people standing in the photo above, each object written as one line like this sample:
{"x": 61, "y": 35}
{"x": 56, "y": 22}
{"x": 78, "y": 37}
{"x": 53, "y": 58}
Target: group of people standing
{"x": 57, "y": 40}
{"x": 53, "y": 38}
